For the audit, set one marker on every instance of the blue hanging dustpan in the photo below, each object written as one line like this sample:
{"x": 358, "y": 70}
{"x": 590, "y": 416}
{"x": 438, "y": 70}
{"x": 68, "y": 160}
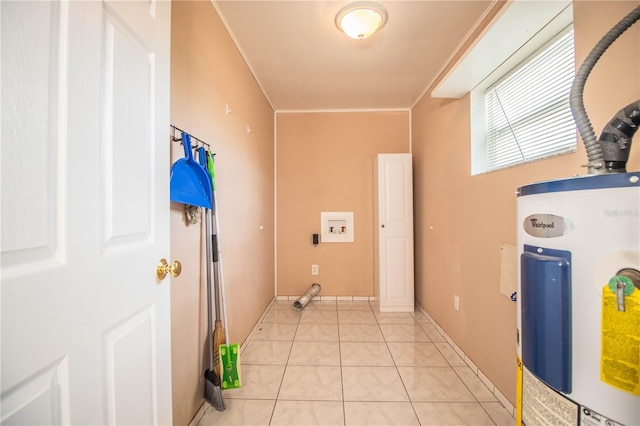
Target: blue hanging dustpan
{"x": 189, "y": 182}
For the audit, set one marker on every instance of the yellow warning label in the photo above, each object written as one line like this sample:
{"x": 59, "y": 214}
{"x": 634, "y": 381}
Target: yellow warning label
{"x": 518, "y": 391}
{"x": 620, "y": 359}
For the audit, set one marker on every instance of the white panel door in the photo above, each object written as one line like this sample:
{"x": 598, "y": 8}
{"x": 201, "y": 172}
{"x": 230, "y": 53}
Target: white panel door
{"x": 395, "y": 232}
{"x": 85, "y": 209}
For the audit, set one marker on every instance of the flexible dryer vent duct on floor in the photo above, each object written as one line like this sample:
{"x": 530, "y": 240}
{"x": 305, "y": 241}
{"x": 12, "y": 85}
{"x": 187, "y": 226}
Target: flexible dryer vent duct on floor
{"x": 302, "y": 301}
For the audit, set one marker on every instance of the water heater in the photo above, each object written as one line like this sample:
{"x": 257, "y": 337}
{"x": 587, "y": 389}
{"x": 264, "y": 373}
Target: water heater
{"x": 578, "y": 313}
{"x": 579, "y": 301}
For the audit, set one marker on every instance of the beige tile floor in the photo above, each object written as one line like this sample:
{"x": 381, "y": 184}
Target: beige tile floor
{"x": 345, "y": 363}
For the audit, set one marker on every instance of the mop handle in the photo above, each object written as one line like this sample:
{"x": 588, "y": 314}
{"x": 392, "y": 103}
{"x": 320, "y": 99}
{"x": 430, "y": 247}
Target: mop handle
{"x": 216, "y": 266}
{"x": 210, "y": 325}
{"x": 220, "y": 273}
{"x": 216, "y": 276}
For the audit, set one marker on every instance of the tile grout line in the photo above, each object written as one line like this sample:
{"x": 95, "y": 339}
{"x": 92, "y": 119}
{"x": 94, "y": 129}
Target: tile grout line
{"x": 286, "y": 364}
{"x": 473, "y": 394}
{"x": 289, "y": 357}
{"x": 395, "y": 364}
{"x": 429, "y": 320}
{"x": 494, "y": 390}
{"x": 200, "y": 413}
{"x": 344, "y": 408}
{"x": 255, "y": 328}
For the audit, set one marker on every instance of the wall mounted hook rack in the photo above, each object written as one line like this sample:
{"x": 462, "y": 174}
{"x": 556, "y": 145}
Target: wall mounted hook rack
{"x": 198, "y": 141}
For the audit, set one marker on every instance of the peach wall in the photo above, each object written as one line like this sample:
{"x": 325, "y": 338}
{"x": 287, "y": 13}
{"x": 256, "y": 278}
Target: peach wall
{"x": 207, "y": 73}
{"x": 324, "y": 162}
{"x": 318, "y": 152}
{"x": 461, "y": 220}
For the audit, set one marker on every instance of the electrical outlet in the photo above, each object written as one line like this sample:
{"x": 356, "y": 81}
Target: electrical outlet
{"x": 456, "y": 303}
{"x": 314, "y": 269}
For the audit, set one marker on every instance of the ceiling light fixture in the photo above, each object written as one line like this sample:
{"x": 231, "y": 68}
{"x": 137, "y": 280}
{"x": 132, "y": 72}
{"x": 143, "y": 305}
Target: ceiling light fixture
{"x": 360, "y": 20}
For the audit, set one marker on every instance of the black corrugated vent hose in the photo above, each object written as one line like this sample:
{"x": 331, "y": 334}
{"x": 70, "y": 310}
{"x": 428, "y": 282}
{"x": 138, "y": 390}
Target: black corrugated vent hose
{"x": 592, "y": 145}
{"x": 616, "y": 136}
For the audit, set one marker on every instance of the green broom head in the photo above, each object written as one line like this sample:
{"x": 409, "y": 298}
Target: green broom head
{"x": 230, "y": 363}
{"x": 211, "y": 168}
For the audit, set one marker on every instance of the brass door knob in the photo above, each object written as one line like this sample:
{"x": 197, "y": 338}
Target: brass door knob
{"x": 164, "y": 268}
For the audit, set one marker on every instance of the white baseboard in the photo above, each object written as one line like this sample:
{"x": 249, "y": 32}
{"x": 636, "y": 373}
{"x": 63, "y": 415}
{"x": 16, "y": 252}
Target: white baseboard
{"x": 336, "y": 298}
{"x": 499, "y": 396}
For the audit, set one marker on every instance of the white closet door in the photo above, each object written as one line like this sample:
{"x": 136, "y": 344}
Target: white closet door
{"x": 394, "y": 229}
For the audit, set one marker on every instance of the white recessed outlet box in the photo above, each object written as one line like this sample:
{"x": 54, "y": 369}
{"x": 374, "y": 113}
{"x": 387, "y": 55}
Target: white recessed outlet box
{"x": 336, "y": 227}
{"x": 456, "y": 303}
{"x": 314, "y": 269}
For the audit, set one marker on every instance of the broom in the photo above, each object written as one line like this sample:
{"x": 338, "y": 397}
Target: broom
{"x": 218, "y": 331}
{"x": 229, "y": 354}
{"x": 212, "y": 391}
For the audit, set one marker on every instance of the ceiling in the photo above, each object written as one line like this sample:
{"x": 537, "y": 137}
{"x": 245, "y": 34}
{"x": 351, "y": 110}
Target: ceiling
{"x": 303, "y": 62}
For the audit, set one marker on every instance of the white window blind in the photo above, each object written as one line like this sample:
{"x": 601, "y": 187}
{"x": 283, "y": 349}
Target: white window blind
{"x": 527, "y": 112}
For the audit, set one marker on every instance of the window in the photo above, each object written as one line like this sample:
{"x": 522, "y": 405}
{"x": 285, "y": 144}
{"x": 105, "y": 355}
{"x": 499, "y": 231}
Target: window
{"x": 526, "y": 114}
